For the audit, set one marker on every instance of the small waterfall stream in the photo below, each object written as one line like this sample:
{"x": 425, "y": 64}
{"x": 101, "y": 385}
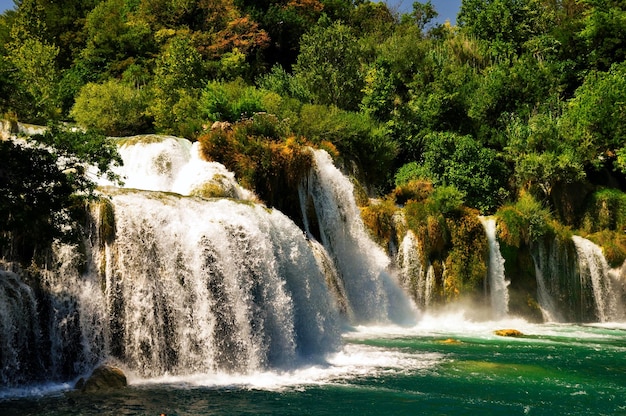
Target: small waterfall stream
{"x": 417, "y": 279}
{"x": 498, "y": 284}
{"x": 594, "y": 272}
{"x": 373, "y": 294}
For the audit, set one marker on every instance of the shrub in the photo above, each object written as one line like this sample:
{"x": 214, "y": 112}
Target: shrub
{"x": 262, "y": 158}
{"x": 231, "y": 101}
{"x": 526, "y": 221}
{"x": 605, "y": 210}
{"x": 416, "y": 190}
{"x": 113, "y": 107}
{"x": 466, "y": 262}
{"x": 379, "y": 219}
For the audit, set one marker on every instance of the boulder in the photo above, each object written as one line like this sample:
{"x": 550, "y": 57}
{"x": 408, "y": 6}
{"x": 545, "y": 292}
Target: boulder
{"x": 449, "y": 341}
{"x": 508, "y": 333}
{"x": 102, "y": 378}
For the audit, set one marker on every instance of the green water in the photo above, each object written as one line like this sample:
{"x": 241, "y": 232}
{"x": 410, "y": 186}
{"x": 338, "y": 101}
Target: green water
{"x": 441, "y": 367}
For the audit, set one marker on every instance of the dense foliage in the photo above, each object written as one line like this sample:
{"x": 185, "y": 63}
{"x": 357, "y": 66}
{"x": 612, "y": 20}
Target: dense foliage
{"x": 43, "y": 185}
{"x": 523, "y": 97}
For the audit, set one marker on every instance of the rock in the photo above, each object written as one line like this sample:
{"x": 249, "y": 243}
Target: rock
{"x": 104, "y": 377}
{"x": 449, "y": 341}
{"x": 221, "y": 125}
{"x": 508, "y": 333}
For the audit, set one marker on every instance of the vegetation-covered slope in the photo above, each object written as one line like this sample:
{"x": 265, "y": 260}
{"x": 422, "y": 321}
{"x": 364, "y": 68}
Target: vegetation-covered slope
{"x": 518, "y": 108}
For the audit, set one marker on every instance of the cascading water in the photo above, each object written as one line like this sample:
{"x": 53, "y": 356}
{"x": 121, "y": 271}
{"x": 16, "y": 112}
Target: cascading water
{"x": 372, "y": 292}
{"x": 170, "y": 284}
{"x": 204, "y": 286}
{"x": 172, "y": 164}
{"x": 417, "y": 279}
{"x": 20, "y": 333}
{"x": 594, "y": 272}
{"x": 498, "y": 284}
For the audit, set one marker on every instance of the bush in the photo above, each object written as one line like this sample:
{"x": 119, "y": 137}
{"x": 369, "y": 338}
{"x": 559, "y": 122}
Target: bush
{"x": 379, "y": 219}
{"x": 262, "y": 158}
{"x": 416, "y": 190}
{"x": 474, "y": 170}
{"x": 466, "y": 262}
{"x": 113, "y": 107}
{"x": 231, "y": 101}
{"x": 526, "y": 222}
{"x": 605, "y": 210}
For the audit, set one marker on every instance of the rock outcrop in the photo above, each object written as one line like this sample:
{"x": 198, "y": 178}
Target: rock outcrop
{"x": 102, "y": 378}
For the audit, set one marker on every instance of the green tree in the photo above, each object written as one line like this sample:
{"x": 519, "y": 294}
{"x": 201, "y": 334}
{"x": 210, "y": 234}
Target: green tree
{"x": 460, "y": 161}
{"x": 506, "y": 24}
{"x": 543, "y": 158}
{"x": 604, "y": 32}
{"x": 43, "y": 186}
{"x": 596, "y": 116}
{"x": 34, "y": 59}
{"x": 329, "y": 65}
{"x": 176, "y": 86}
{"x": 423, "y": 13}
{"x": 114, "y": 40}
{"x": 113, "y": 107}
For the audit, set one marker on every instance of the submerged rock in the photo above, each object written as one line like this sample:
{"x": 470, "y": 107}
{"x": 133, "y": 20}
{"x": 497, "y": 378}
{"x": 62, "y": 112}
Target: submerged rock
{"x": 104, "y": 377}
{"x": 508, "y": 333}
{"x": 449, "y": 341}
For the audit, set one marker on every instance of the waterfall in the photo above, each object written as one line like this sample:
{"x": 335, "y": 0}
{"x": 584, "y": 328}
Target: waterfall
{"x": 417, "y": 279}
{"x": 172, "y": 164}
{"x": 498, "y": 285}
{"x": 170, "y": 284}
{"x": 373, "y": 294}
{"x": 20, "y": 334}
{"x": 546, "y": 302}
{"x": 594, "y": 272}
{"x": 204, "y": 286}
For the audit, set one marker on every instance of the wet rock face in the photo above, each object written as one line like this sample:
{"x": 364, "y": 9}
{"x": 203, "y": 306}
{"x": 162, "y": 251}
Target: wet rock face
{"x": 103, "y": 378}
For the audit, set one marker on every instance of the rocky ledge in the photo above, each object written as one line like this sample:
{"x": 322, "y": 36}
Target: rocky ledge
{"x": 105, "y": 377}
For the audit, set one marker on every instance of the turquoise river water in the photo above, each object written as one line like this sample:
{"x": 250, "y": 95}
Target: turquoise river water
{"x": 442, "y": 366}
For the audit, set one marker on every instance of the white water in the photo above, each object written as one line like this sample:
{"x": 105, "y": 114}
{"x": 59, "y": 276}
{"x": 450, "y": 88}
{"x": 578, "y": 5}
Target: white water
{"x": 206, "y": 286}
{"x": 217, "y": 292}
{"x": 547, "y": 270}
{"x": 546, "y": 303}
{"x": 498, "y": 284}
{"x": 373, "y": 294}
{"x": 417, "y": 279}
{"x": 172, "y": 164}
{"x": 18, "y": 307}
{"x": 594, "y": 270}
{"x": 187, "y": 285}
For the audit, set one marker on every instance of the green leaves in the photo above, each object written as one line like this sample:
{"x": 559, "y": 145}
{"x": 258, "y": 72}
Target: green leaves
{"x": 113, "y": 107}
{"x": 476, "y": 171}
{"x": 596, "y": 116}
{"x": 329, "y": 65}
{"x": 43, "y": 185}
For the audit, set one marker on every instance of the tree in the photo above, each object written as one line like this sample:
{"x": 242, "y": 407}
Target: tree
{"x": 329, "y": 65}
{"x": 460, "y": 161}
{"x": 113, "y": 107}
{"x": 34, "y": 60}
{"x": 596, "y": 117}
{"x": 114, "y": 41}
{"x": 506, "y": 24}
{"x": 178, "y": 78}
{"x": 542, "y": 157}
{"x": 423, "y": 13}
{"x": 43, "y": 187}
